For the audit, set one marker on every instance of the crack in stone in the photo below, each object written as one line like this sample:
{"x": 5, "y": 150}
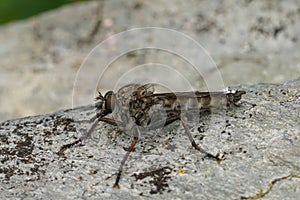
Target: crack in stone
{"x": 262, "y": 193}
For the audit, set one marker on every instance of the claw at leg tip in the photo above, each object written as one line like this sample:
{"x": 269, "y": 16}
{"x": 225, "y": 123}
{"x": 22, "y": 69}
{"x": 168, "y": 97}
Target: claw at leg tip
{"x": 61, "y": 152}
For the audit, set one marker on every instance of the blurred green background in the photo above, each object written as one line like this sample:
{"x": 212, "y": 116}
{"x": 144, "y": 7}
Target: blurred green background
{"x": 19, "y": 9}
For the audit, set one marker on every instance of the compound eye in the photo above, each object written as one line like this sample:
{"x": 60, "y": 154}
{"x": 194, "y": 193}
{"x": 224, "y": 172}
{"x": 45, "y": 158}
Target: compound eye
{"x": 109, "y": 101}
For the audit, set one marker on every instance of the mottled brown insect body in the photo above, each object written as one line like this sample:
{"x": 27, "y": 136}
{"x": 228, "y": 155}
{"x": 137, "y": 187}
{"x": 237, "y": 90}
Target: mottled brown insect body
{"x": 132, "y": 111}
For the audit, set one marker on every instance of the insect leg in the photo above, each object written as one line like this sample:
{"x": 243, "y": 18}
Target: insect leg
{"x": 83, "y": 137}
{"x": 197, "y": 147}
{"x": 110, "y": 121}
{"x": 136, "y": 134}
{"x": 100, "y": 116}
{"x": 165, "y": 122}
{"x": 172, "y": 119}
{"x": 87, "y": 134}
{"x": 87, "y": 120}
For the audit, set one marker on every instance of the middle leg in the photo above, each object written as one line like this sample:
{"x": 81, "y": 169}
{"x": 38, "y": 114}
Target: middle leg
{"x": 197, "y": 147}
{"x": 136, "y": 134}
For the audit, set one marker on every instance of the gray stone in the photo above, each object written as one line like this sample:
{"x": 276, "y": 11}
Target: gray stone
{"x": 260, "y": 139}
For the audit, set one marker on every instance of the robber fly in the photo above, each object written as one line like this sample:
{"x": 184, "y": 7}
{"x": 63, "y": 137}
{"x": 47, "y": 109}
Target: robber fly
{"x": 131, "y": 106}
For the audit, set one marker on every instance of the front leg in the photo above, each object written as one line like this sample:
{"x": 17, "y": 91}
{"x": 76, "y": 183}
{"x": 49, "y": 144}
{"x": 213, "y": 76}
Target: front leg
{"x": 89, "y": 132}
{"x": 83, "y": 137}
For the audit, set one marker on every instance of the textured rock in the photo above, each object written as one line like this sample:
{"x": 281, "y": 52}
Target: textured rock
{"x": 250, "y": 41}
{"x": 260, "y": 140}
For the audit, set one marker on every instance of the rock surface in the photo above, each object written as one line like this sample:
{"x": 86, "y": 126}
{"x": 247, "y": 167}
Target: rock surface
{"x": 250, "y": 41}
{"x": 260, "y": 140}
